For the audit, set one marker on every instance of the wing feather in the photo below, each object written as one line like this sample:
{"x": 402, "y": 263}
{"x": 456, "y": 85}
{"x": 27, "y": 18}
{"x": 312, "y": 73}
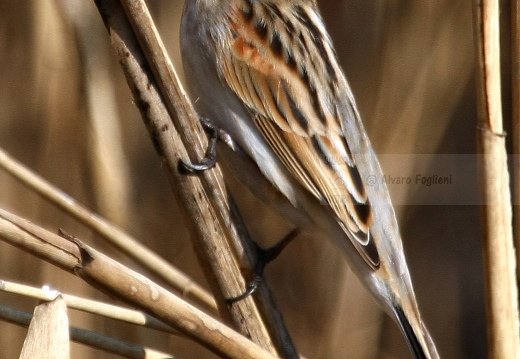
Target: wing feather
{"x": 295, "y": 110}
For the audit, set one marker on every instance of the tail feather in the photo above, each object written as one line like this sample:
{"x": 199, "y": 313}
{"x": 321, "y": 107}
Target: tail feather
{"x": 419, "y": 350}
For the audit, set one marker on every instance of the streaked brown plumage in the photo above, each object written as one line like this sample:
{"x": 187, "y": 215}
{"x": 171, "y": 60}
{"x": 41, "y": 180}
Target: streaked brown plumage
{"x": 265, "y": 71}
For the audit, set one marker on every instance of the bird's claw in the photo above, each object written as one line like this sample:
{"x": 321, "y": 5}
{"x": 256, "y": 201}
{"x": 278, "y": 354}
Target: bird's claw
{"x": 265, "y": 256}
{"x": 210, "y": 158}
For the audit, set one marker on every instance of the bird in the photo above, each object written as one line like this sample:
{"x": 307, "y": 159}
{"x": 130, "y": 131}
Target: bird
{"x": 266, "y": 73}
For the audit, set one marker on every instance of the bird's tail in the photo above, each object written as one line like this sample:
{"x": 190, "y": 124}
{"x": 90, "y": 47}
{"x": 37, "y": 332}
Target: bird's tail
{"x": 417, "y": 336}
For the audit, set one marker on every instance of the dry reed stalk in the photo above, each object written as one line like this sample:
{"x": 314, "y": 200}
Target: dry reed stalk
{"x": 218, "y": 232}
{"x": 48, "y": 336}
{"x": 499, "y": 254}
{"x": 118, "y": 281}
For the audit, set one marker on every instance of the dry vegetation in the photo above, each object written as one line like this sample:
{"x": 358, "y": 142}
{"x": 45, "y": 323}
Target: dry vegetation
{"x": 66, "y": 112}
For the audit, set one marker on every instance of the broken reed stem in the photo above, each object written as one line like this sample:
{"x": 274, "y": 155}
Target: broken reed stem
{"x": 123, "y": 284}
{"x": 48, "y": 334}
{"x": 127, "y": 244}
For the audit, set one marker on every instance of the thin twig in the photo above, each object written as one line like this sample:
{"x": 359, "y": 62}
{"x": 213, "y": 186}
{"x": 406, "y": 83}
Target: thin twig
{"x": 114, "y": 235}
{"x": 90, "y": 306}
{"x": 126, "y": 285}
{"x": 107, "y": 161}
{"x": 94, "y": 340}
{"x": 500, "y": 265}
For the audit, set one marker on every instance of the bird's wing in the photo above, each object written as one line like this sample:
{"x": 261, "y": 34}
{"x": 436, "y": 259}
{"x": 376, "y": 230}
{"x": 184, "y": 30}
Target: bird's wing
{"x": 282, "y": 67}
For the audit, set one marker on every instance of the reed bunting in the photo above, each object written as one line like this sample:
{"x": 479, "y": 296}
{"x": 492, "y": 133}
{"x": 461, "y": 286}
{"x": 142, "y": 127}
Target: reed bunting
{"x": 266, "y": 73}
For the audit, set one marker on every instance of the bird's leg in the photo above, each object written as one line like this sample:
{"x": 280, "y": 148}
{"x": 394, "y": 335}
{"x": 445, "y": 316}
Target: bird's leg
{"x": 210, "y": 158}
{"x": 264, "y": 257}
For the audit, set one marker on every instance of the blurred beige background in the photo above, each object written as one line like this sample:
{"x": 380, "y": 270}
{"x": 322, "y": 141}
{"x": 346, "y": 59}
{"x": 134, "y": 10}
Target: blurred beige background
{"x": 410, "y": 64}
